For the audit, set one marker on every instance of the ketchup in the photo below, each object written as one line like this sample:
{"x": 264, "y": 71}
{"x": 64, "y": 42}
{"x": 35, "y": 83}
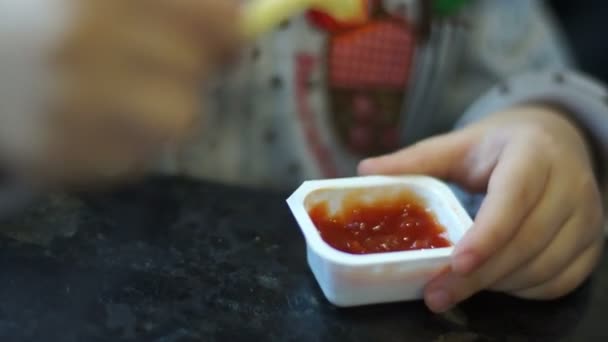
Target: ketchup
{"x": 398, "y": 223}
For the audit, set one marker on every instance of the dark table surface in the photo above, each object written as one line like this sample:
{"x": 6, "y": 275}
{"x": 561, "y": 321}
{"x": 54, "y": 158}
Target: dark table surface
{"x": 173, "y": 260}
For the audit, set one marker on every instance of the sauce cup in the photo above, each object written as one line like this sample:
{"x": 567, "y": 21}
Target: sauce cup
{"x": 349, "y": 280}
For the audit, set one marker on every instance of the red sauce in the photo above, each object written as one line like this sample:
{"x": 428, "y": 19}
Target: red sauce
{"x": 398, "y": 223}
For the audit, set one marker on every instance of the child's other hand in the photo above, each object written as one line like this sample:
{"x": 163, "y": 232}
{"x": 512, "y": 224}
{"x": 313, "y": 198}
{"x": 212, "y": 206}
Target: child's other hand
{"x": 131, "y": 75}
{"x": 538, "y": 233}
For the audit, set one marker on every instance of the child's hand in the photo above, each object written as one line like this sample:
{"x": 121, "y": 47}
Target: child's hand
{"x": 538, "y": 234}
{"x": 132, "y": 73}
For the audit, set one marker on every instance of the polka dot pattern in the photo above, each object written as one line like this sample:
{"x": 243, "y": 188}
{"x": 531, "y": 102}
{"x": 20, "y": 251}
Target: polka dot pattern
{"x": 276, "y": 83}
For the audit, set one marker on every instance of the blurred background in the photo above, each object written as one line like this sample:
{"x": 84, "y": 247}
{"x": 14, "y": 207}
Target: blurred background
{"x": 586, "y": 25}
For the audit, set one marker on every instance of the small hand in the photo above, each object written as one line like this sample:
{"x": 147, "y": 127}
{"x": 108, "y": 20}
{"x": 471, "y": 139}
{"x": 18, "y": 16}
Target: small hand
{"x": 538, "y": 234}
{"x": 131, "y": 75}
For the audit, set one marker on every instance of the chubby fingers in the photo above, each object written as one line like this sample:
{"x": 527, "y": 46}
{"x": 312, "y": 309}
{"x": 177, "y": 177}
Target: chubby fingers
{"x": 579, "y": 233}
{"x": 516, "y": 178}
{"x": 516, "y": 184}
{"x": 441, "y": 156}
{"x": 129, "y": 80}
{"x": 213, "y": 22}
{"x": 536, "y": 233}
{"x": 550, "y": 255}
{"x": 511, "y": 229}
{"x": 569, "y": 278}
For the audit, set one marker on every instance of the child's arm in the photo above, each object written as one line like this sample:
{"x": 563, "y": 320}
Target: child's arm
{"x": 527, "y": 144}
{"x": 538, "y": 233}
{"x": 523, "y": 54}
{"x": 579, "y": 97}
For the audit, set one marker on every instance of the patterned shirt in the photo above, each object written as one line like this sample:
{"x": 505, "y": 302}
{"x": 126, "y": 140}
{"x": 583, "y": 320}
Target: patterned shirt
{"x": 313, "y": 98}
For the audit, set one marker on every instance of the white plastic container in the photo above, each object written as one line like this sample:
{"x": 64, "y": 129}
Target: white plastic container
{"x": 353, "y": 280}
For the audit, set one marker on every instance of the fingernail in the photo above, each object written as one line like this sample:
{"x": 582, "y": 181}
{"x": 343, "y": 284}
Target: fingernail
{"x": 364, "y": 166}
{"x": 439, "y": 301}
{"x": 464, "y": 263}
